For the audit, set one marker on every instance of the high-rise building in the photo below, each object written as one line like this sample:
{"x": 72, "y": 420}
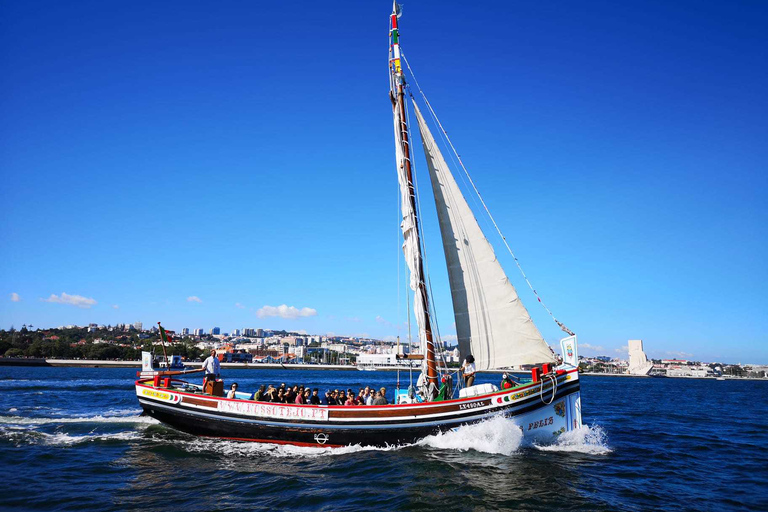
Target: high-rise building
{"x": 185, "y": 331}
{"x": 137, "y": 326}
{"x": 259, "y": 333}
{"x": 199, "y": 332}
{"x": 236, "y": 332}
{"x": 248, "y": 332}
{"x": 216, "y": 331}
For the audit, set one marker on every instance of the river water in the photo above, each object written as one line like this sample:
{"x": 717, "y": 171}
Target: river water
{"x": 72, "y": 439}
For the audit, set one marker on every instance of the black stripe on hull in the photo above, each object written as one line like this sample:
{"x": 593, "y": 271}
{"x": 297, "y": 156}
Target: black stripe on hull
{"x": 215, "y": 424}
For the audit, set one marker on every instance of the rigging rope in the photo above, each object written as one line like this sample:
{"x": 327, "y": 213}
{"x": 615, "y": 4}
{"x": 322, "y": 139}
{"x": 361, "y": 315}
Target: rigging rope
{"x": 498, "y": 230}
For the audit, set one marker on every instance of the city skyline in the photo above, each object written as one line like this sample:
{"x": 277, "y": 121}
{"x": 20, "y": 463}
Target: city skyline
{"x": 194, "y": 165}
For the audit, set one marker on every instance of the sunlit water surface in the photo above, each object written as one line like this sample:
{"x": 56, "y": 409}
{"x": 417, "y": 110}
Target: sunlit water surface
{"x": 72, "y": 439}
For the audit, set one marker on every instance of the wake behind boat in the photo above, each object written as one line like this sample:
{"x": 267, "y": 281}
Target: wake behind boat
{"x": 492, "y": 325}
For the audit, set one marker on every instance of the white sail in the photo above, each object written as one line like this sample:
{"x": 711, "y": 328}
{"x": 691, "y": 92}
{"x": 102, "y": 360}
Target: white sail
{"x": 411, "y": 248}
{"x": 491, "y": 322}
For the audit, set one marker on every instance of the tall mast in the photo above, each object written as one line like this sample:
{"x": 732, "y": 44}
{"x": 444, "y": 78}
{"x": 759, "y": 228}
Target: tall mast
{"x": 397, "y": 81}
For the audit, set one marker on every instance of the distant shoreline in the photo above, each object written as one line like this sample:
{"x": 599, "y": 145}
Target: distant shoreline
{"x": 94, "y": 363}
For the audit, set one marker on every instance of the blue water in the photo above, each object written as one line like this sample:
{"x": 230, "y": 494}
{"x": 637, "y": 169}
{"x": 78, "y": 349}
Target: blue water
{"x": 71, "y": 439}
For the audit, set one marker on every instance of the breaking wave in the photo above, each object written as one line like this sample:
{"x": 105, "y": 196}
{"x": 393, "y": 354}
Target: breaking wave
{"x": 587, "y": 439}
{"x": 497, "y": 435}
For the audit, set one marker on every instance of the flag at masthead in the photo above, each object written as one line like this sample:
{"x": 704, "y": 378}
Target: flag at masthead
{"x": 394, "y": 35}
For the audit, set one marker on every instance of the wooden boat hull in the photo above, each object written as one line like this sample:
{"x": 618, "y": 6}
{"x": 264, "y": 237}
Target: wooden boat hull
{"x": 541, "y": 412}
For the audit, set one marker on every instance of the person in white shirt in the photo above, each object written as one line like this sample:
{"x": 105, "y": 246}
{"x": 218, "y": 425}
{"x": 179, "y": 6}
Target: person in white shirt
{"x": 231, "y": 392}
{"x": 469, "y": 370}
{"x": 211, "y": 368}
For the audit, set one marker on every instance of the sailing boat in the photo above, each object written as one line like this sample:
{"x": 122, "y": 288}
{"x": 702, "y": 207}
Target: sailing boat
{"x": 492, "y": 325}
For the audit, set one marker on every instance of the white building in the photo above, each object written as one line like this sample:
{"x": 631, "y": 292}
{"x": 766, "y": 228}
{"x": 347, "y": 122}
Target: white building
{"x": 377, "y": 360}
{"x": 199, "y": 332}
{"x": 185, "y": 331}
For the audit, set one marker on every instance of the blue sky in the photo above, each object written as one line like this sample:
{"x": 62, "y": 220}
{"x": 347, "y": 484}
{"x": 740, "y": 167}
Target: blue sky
{"x": 242, "y": 153}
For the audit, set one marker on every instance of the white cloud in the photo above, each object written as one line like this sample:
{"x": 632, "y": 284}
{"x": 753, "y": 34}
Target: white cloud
{"x": 194, "y": 298}
{"x": 679, "y": 353}
{"x": 15, "y": 297}
{"x": 284, "y": 311}
{"x": 623, "y": 350}
{"x": 239, "y": 306}
{"x": 450, "y": 338}
{"x": 115, "y": 306}
{"x": 591, "y": 347}
{"x": 72, "y": 300}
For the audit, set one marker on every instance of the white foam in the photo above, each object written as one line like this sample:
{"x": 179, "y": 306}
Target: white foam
{"x": 250, "y": 449}
{"x": 587, "y": 439}
{"x": 61, "y": 438}
{"x": 497, "y": 435}
{"x": 21, "y": 420}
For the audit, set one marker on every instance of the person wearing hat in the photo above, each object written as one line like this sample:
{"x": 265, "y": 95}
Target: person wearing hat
{"x": 442, "y": 393}
{"x": 469, "y": 370}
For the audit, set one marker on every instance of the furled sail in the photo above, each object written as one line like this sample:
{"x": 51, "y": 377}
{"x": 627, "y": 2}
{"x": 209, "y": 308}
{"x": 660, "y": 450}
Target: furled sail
{"x": 491, "y": 322}
{"x": 411, "y": 248}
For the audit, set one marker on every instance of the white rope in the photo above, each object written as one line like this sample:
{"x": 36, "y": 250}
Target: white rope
{"x": 498, "y": 230}
{"x": 554, "y": 389}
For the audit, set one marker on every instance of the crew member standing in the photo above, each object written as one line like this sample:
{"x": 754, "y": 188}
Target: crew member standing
{"x": 469, "y": 370}
{"x": 211, "y": 368}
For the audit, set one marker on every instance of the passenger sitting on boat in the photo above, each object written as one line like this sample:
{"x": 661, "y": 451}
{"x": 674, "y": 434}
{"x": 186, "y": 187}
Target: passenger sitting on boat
{"x": 506, "y": 382}
{"x": 350, "y": 399}
{"x": 280, "y": 398}
{"x": 315, "y": 398}
{"x": 329, "y": 398}
{"x": 307, "y": 395}
{"x": 211, "y": 368}
{"x": 361, "y": 397}
{"x": 341, "y": 398}
{"x": 299, "y": 398}
{"x": 381, "y": 397}
{"x": 231, "y": 392}
{"x": 258, "y": 396}
{"x": 370, "y": 397}
{"x": 469, "y": 370}
{"x": 269, "y": 394}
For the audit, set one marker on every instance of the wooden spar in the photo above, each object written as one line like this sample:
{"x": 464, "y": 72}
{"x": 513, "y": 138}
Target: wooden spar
{"x": 430, "y": 348}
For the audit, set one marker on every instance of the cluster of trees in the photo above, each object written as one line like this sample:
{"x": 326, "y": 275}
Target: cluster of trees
{"x": 78, "y": 343}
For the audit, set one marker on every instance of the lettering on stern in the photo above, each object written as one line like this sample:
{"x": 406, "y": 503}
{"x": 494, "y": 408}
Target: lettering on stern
{"x": 541, "y": 423}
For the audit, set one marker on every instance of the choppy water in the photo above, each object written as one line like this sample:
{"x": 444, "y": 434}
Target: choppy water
{"x": 72, "y": 439}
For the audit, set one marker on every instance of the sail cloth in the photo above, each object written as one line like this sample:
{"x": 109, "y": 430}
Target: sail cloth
{"x": 491, "y": 322}
{"x": 411, "y": 248}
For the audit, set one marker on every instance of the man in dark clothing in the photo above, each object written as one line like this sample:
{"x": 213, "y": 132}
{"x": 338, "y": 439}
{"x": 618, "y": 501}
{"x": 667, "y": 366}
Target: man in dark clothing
{"x": 314, "y": 399}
